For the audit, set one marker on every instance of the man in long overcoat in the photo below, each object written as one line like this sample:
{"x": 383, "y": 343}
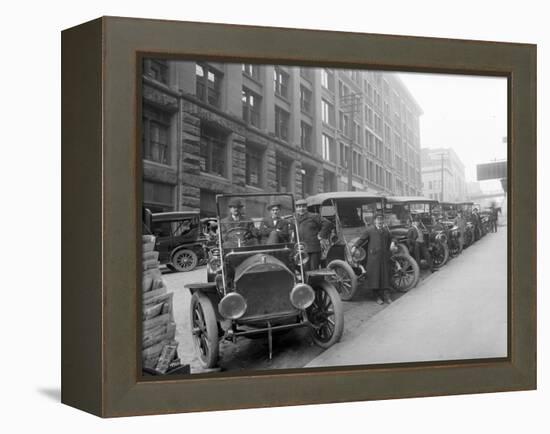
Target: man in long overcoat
{"x": 379, "y": 241}
{"x": 312, "y": 229}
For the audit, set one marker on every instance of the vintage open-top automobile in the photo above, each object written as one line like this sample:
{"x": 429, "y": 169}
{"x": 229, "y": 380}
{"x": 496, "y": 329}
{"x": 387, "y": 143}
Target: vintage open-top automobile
{"x": 257, "y": 284}
{"x": 425, "y": 210}
{"x": 351, "y": 212}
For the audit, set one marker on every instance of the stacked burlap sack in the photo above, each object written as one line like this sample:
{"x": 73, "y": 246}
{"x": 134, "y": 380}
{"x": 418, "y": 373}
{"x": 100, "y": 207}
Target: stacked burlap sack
{"x": 159, "y": 349}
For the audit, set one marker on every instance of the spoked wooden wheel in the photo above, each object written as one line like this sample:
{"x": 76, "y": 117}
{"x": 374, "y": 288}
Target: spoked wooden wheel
{"x": 345, "y": 280}
{"x": 185, "y": 260}
{"x": 440, "y": 254}
{"x": 204, "y": 330}
{"x": 326, "y": 315}
{"x": 405, "y": 272}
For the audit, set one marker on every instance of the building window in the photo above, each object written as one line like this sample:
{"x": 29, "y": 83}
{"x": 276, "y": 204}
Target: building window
{"x": 387, "y": 134}
{"x": 280, "y": 81}
{"x": 357, "y": 164}
{"x": 252, "y": 71}
{"x": 369, "y": 116}
{"x": 389, "y": 184}
{"x": 379, "y": 149}
{"x": 156, "y": 135}
{"x": 305, "y": 136}
{"x": 327, "y": 79}
{"x": 370, "y": 141}
{"x": 254, "y": 166}
{"x": 344, "y": 124}
{"x": 208, "y": 84}
{"x": 327, "y": 112}
{"x": 306, "y": 73}
{"x": 251, "y": 107}
{"x": 358, "y": 136}
{"x": 282, "y": 174}
{"x": 158, "y": 197}
{"x": 305, "y": 100}
{"x": 308, "y": 181}
{"x": 156, "y": 69}
{"x": 378, "y": 124}
{"x": 344, "y": 155}
{"x": 328, "y": 153}
{"x": 388, "y": 157}
{"x": 343, "y": 90}
{"x": 213, "y": 150}
{"x": 281, "y": 123}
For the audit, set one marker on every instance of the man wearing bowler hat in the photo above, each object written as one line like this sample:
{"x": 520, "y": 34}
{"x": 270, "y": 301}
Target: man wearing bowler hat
{"x": 236, "y": 230}
{"x": 313, "y": 229}
{"x": 274, "y": 229}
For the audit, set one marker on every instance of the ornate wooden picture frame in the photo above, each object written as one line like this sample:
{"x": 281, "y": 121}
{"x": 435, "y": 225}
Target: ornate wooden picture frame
{"x": 101, "y": 216}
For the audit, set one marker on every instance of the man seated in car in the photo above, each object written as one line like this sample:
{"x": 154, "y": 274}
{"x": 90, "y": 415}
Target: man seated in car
{"x": 236, "y": 230}
{"x": 274, "y": 229}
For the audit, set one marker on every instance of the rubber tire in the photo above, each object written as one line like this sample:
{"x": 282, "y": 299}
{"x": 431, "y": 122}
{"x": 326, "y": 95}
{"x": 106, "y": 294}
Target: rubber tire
{"x": 208, "y": 358}
{"x": 416, "y": 271}
{"x": 343, "y": 265}
{"x": 191, "y": 253}
{"x": 329, "y": 291}
{"x": 445, "y": 256}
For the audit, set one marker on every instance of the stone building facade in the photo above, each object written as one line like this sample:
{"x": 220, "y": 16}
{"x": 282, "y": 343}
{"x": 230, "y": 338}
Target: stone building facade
{"x": 210, "y": 128}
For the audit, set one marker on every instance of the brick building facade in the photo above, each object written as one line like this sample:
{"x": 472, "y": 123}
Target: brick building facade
{"x": 212, "y": 128}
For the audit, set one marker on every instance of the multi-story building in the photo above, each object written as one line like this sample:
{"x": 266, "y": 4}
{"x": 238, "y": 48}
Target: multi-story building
{"x": 210, "y": 128}
{"x": 443, "y": 176}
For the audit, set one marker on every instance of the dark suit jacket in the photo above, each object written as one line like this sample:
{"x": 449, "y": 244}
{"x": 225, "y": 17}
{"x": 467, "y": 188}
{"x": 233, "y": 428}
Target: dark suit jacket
{"x": 281, "y": 226}
{"x": 310, "y": 227}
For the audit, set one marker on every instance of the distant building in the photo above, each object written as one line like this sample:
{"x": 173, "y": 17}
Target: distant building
{"x": 211, "y": 128}
{"x": 443, "y": 175}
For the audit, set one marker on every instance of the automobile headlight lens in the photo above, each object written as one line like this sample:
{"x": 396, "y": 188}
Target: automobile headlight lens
{"x": 359, "y": 253}
{"x": 215, "y": 264}
{"x": 302, "y": 296}
{"x": 232, "y": 306}
{"x": 440, "y": 236}
{"x": 300, "y": 256}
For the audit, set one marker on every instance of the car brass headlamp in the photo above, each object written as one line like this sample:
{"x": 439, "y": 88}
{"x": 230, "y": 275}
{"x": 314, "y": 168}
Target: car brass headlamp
{"x": 300, "y": 256}
{"x": 359, "y": 254}
{"x": 215, "y": 264}
{"x": 302, "y": 296}
{"x": 232, "y": 306}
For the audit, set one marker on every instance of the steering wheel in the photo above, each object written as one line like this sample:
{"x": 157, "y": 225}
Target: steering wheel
{"x": 240, "y": 233}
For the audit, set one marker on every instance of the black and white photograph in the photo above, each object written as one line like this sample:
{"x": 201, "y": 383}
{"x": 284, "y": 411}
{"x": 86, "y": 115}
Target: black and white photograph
{"x": 311, "y": 217}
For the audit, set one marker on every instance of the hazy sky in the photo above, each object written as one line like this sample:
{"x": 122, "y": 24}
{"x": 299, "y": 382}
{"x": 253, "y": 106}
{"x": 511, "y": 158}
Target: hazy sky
{"x": 467, "y": 113}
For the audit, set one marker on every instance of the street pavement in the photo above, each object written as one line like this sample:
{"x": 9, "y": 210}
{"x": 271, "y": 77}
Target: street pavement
{"x": 459, "y": 312}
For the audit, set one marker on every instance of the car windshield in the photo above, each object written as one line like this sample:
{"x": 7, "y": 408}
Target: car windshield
{"x": 397, "y": 214}
{"x": 352, "y": 213}
{"x": 250, "y": 220}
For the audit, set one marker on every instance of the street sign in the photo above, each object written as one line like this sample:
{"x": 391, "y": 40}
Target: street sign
{"x": 496, "y": 170}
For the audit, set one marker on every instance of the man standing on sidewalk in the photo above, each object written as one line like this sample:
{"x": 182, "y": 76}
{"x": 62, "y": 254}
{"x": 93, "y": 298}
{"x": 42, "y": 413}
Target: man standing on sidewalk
{"x": 379, "y": 244}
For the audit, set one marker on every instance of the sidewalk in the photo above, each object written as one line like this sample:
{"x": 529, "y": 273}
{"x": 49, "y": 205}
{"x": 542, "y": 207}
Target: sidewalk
{"x": 460, "y": 312}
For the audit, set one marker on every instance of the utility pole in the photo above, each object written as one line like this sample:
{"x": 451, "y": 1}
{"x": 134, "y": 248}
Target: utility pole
{"x": 442, "y": 174}
{"x": 350, "y": 104}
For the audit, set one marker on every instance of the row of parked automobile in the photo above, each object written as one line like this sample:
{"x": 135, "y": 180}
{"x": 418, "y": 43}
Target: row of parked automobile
{"x": 258, "y": 289}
